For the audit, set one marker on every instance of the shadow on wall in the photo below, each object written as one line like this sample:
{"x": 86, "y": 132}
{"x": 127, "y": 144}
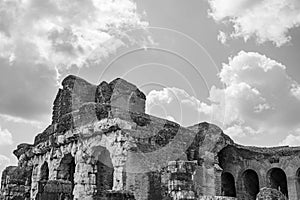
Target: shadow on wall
{"x": 277, "y": 180}
{"x": 228, "y": 185}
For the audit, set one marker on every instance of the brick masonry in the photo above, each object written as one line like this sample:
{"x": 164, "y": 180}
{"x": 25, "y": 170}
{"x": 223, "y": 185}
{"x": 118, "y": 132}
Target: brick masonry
{"x": 102, "y": 145}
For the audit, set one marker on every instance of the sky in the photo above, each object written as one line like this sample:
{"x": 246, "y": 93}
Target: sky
{"x": 234, "y": 63}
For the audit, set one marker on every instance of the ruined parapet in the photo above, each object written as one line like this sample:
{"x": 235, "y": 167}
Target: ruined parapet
{"x": 74, "y": 92}
{"x": 80, "y": 102}
{"x": 181, "y": 185}
{"x": 16, "y": 180}
{"x": 121, "y": 94}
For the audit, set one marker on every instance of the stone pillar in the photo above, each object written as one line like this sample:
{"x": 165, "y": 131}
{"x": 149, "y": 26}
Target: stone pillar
{"x": 34, "y": 182}
{"x": 181, "y": 185}
{"x": 198, "y": 180}
{"x": 118, "y": 152}
{"x": 292, "y": 188}
{"x": 218, "y": 180}
{"x": 209, "y": 179}
{"x": 84, "y": 178}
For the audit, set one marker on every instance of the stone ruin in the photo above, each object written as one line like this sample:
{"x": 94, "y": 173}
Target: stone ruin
{"x": 102, "y": 146}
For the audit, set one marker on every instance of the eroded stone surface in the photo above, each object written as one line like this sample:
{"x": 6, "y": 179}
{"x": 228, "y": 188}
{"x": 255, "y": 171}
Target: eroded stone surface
{"x": 102, "y": 145}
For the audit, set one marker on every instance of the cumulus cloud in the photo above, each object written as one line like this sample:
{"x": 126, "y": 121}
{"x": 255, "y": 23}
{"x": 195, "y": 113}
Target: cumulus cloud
{"x": 65, "y": 32}
{"x": 39, "y": 40}
{"x": 174, "y": 104}
{"x": 5, "y": 137}
{"x": 292, "y": 139}
{"x": 259, "y": 97}
{"x": 168, "y": 95}
{"x": 238, "y": 131}
{"x": 266, "y": 20}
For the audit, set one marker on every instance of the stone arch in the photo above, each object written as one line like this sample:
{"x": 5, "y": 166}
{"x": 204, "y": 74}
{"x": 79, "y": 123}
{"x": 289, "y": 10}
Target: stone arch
{"x": 228, "y": 185}
{"x": 250, "y": 184}
{"x": 277, "y": 179}
{"x": 66, "y": 169}
{"x": 44, "y": 173}
{"x": 105, "y": 171}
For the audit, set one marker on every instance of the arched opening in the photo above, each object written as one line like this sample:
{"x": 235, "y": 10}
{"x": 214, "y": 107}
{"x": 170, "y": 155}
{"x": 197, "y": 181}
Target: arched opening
{"x": 105, "y": 171}
{"x": 44, "y": 175}
{"x": 277, "y": 180}
{"x": 66, "y": 169}
{"x": 250, "y": 184}
{"x": 228, "y": 185}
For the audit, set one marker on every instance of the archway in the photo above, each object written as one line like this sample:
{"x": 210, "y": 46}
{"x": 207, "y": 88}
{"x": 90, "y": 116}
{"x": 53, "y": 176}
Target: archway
{"x": 44, "y": 175}
{"x": 250, "y": 184}
{"x": 66, "y": 169}
{"x": 105, "y": 171}
{"x": 277, "y": 180}
{"x": 228, "y": 185}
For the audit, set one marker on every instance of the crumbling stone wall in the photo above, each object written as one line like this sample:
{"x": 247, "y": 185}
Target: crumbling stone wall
{"x": 207, "y": 143}
{"x": 16, "y": 182}
{"x": 102, "y": 145}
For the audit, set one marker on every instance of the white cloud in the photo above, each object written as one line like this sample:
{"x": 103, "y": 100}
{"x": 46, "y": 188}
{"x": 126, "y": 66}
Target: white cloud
{"x": 5, "y": 137}
{"x": 67, "y": 32}
{"x": 292, "y": 139}
{"x": 165, "y": 96}
{"x": 238, "y": 131}
{"x": 256, "y": 99}
{"x": 222, "y": 37}
{"x": 257, "y": 95}
{"x": 262, "y": 107}
{"x": 173, "y": 103}
{"x": 295, "y": 90}
{"x": 20, "y": 120}
{"x": 266, "y": 20}
{"x": 169, "y": 95}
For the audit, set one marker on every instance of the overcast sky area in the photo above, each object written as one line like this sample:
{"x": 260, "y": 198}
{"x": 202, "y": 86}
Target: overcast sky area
{"x": 234, "y": 63}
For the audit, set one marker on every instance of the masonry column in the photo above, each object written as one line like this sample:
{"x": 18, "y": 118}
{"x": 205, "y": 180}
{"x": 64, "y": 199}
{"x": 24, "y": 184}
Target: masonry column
{"x": 181, "y": 184}
{"x": 292, "y": 187}
{"x": 218, "y": 179}
{"x": 85, "y": 177}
